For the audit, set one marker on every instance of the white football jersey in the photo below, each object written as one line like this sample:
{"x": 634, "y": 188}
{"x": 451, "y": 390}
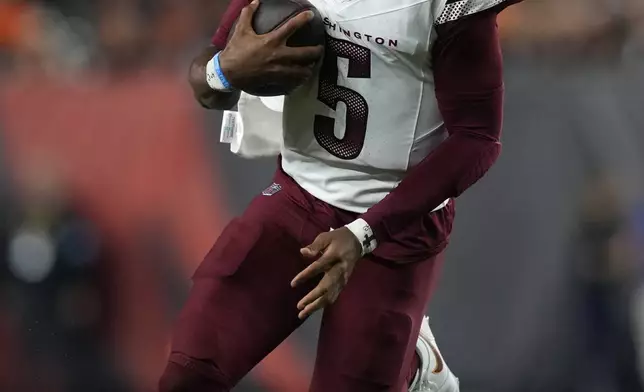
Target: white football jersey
{"x": 352, "y": 132}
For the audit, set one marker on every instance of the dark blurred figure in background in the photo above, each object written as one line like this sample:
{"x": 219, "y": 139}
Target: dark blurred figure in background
{"x": 605, "y": 261}
{"x": 56, "y": 285}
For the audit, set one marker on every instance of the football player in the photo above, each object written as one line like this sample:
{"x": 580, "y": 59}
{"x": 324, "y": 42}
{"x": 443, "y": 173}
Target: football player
{"x": 401, "y": 117}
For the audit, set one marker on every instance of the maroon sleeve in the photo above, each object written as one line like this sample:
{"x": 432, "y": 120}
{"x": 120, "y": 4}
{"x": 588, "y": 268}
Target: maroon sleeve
{"x": 468, "y": 74}
{"x": 235, "y": 7}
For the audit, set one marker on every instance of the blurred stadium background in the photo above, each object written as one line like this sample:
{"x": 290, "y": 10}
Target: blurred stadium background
{"x": 113, "y": 186}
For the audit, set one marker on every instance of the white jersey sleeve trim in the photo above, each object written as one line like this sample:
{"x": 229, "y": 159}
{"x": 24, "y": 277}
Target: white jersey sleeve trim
{"x": 438, "y": 9}
{"x": 456, "y": 9}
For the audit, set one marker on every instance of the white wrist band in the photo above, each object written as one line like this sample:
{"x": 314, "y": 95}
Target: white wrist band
{"x": 361, "y": 229}
{"x": 215, "y": 77}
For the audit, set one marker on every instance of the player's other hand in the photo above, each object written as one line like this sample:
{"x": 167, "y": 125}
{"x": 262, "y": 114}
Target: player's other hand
{"x": 337, "y": 253}
{"x": 250, "y": 59}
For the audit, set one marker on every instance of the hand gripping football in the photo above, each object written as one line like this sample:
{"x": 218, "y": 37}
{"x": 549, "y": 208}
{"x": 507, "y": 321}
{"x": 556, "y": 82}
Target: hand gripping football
{"x": 269, "y": 16}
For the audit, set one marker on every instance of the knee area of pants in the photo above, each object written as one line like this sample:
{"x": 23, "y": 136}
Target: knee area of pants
{"x": 178, "y": 378}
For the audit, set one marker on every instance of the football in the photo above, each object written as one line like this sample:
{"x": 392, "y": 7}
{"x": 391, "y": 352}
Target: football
{"x": 270, "y": 15}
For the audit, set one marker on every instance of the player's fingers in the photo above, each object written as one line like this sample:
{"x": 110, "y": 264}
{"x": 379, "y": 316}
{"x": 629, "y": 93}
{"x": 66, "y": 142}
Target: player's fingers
{"x": 328, "y": 259}
{"x": 319, "y": 291}
{"x": 245, "y": 20}
{"x": 291, "y": 26}
{"x": 318, "y": 304}
{"x": 301, "y": 55}
{"x": 318, "y": 245}
{"x": 321, "y": 265}
{"x": 310, "y": 272}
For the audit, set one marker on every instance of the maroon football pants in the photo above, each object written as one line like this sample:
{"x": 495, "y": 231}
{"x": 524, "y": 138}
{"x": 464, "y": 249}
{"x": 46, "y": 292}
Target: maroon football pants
{"x": 242, "y": 305}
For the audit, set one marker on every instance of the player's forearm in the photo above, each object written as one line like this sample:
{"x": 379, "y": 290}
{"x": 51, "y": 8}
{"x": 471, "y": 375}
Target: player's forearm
{"x": 452, "y": 168}
{"x": 468, "y": 75}
{"x": 204, "y": 94}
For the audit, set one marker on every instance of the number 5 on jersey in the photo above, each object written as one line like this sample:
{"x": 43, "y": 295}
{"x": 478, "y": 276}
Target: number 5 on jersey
{"x": 359, "y": 57}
